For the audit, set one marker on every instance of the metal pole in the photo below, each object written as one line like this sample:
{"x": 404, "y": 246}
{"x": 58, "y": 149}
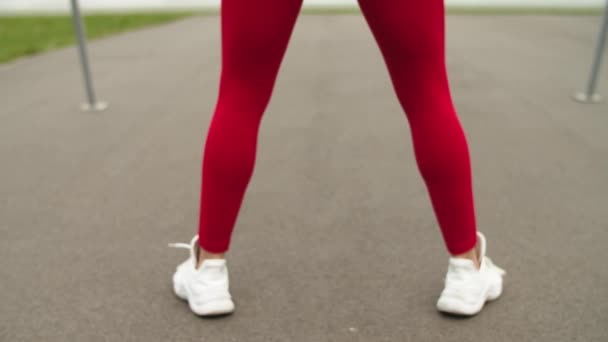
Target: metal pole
{"x": 590, "y": 95}
{"x": 92, "y": 104}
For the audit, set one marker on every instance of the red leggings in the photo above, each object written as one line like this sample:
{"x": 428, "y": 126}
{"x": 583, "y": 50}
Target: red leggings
{"x": 410, "y": 34}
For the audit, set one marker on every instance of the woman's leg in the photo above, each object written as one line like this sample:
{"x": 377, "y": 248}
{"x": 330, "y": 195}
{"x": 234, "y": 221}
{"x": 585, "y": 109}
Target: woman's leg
{"x": 410, "y": 34}
{"x": 255, "y": 35}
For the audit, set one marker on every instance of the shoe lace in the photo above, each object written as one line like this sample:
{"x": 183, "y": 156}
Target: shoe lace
{"x": 184, "y": 245}
{"x": 188, "y": 246}
{"x": 179, "y": 245}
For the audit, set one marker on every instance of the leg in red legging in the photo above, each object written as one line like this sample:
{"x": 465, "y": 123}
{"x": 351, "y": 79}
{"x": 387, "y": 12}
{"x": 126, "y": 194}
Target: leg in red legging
{"x": 410, "y": 34}
{"x": 255, "y": 35}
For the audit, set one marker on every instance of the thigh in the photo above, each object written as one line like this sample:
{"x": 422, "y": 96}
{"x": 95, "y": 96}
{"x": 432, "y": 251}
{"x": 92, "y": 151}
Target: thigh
{"x": 410, "y": 34}
{"x": 255, "y": 34}
{"x": 407, "y": 29}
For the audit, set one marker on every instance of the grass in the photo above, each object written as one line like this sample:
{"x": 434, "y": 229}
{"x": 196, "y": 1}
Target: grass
{"x": 27, "y": 35}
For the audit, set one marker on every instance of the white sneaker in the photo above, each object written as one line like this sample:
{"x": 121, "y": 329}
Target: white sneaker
{"x": 205, "y": 288}
{"x": 466, "y": 288}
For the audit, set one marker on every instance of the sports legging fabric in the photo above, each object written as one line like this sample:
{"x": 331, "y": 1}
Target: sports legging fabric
{"x": 410, "y": 34}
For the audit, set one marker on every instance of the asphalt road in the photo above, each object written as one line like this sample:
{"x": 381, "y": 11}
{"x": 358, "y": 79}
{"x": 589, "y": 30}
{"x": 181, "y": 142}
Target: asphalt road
{"x": 336, "y": 241}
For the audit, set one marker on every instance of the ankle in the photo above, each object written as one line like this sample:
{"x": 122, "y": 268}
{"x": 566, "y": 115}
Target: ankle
{"x": 470, "y": 255}
{"x": 203, "y": 255}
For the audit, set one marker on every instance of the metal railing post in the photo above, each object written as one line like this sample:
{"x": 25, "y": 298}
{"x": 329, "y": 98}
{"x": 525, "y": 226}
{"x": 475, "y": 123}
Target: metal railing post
{"x": 590, "y": 95}
{"x": 92, "y": 103}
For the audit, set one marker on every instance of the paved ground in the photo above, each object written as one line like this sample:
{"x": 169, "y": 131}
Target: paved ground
{"x": 336, "y": 241}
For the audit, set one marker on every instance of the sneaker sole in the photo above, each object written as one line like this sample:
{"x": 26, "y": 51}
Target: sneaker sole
{"x": 457, "y": 308}
{"x": 213, "y": 308}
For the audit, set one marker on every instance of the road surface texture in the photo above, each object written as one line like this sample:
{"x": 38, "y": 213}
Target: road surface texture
{"x": 336, "y": 240}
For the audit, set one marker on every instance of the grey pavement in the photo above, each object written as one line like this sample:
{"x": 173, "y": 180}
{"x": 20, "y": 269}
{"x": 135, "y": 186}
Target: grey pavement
{"x": 336, "y": 240}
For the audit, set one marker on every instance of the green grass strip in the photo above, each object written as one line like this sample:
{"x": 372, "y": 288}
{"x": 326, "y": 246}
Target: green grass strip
{"x": 27, "y": 35}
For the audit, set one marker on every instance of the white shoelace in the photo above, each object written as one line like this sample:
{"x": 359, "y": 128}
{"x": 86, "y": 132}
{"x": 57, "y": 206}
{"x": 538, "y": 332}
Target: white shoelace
{"x": 180, "y": 245}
